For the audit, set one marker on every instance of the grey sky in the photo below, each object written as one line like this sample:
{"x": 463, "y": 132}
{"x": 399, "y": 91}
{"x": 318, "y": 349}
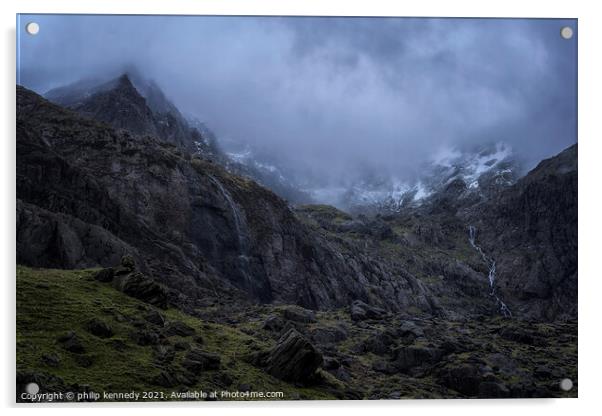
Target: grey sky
{"x": 332, "y": 94}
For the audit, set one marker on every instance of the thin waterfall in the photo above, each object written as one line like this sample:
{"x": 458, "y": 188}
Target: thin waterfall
{"x": 240, "y": 228}
{"x": 472, "y": 235}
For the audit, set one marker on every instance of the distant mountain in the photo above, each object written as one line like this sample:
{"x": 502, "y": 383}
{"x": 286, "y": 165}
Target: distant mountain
{"x": 267, "y": 171}
{"x": 133, "y": 103}
{"x": 484, "y": 171}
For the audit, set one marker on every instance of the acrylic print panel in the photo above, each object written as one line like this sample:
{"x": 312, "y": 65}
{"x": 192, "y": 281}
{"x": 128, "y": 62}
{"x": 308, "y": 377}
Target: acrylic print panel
{"x": 283, "y": 208}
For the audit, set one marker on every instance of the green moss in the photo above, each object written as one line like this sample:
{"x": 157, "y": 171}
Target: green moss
{"x": 53, "y": 302}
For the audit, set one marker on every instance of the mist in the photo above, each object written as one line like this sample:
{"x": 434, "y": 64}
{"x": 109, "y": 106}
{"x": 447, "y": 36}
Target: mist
{"x": 334, "y": 97}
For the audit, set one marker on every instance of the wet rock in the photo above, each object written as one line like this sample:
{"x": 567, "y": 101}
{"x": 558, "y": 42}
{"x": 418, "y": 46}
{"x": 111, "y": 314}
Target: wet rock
{"x": 298, "y": 314}
{"x": 71, "y": 342}
{"x": 198, "y": 360}
{"x": 293, "y": 358}
{"x": 99, "y": 328}
{"x": 178, "y": 328}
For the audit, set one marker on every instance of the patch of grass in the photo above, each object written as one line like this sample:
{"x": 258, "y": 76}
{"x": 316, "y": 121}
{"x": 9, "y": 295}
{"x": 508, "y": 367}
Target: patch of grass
{"x": 51, "y": 303}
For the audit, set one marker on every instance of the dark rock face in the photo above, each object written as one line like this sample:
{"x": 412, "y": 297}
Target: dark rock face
{"x": 87, "y": 195}
{"x": 293, "y": 358}
{"x": 122, "y": 107}
{"x": 531, "y": 231}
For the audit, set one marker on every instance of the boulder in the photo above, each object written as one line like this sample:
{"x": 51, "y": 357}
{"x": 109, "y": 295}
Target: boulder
{"x": 71, "y": 342}
{"x": 52, "y": 360}
{"x": 142, "y": 287}
{"x": 414, "y": 356}
{"x": 379, "y": 343}
{"x": 128, "y": 262}
{"x": 384, "y": 367}
{"x": 164, "y": 354}
{"x": 156, "y": 318}
{"x": 298, "y": 314}
{"x": 198, "y": 360}
{"x": 104, "y": 275}
{"x": 328, "y": 334}
{"x": 361, "y": 311}
{"x": 145, "y": 337}
{"x": 410, "y": 329}
{"x": 178, "y": 328}
{"x": 99, "y": 328}
{"x": 293, "y": 358}
{"x": 273, "y": 323}
{"x": 493, "y": 390}
{"x": 165, "y": 379}
{"x": 463, "y": 378}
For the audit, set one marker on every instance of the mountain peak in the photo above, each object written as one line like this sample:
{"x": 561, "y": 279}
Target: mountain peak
{"x": 124, "y": 83}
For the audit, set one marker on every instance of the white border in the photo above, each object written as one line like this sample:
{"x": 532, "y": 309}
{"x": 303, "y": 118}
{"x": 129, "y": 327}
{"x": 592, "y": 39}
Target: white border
{"x": 590, "y": 164}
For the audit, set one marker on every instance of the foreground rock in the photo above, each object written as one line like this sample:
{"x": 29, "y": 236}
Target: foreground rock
{"x": 294, "y": 358}
{"x": 197, "y": 360}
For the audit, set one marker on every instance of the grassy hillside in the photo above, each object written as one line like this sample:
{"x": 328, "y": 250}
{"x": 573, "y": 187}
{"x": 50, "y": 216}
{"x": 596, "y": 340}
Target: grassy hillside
{"x": 50, "y": 303}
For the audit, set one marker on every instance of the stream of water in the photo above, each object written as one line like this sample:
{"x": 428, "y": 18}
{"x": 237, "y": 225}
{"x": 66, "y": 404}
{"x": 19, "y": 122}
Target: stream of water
{"x": 472, "y": 235}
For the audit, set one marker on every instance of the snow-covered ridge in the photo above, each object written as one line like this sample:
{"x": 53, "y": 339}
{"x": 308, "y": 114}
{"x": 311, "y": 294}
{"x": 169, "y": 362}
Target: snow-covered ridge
{"x": 490, "y": 165}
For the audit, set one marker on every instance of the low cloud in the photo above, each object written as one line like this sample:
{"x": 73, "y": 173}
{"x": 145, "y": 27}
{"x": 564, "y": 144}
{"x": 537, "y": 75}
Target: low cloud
{"x": 335, "y": 97}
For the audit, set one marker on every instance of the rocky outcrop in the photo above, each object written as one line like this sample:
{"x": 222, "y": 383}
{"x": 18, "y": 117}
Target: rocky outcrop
{"x": 530, "y": 230}
{"x": 294, "y": 358}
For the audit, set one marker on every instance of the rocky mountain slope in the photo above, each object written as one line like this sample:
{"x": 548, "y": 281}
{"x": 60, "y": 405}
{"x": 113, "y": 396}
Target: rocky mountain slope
{"x": 414, "y": 296}
{"x": 188, "y": 222}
